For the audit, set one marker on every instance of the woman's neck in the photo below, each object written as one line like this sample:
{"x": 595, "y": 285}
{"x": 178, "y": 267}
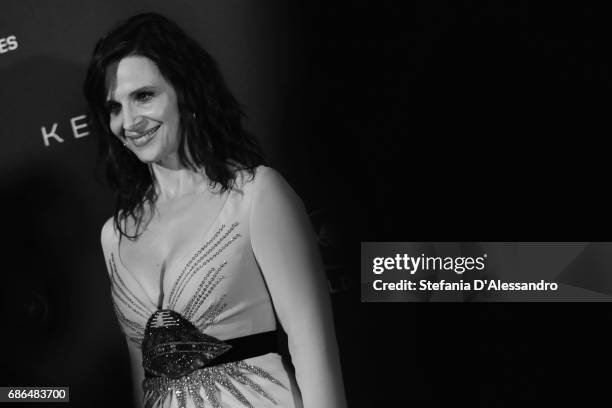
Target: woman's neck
{"x": 176, "y": 183}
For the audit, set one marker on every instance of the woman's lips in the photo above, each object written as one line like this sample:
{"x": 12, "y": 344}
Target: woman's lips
{"x": 145, "y": 137}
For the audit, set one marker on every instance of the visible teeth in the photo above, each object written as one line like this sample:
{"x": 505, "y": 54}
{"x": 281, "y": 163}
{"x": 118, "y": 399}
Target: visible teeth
{"x": 147, "y": 135}
{"x": 150, "y": 132}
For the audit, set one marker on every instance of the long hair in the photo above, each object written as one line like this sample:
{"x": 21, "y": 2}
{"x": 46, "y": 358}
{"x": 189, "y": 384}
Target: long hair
{"x": 210, "y": 117}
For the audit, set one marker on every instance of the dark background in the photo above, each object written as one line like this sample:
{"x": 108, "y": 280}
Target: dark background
{"x": 476, "y": 121}
{"x": 483, "y": 121}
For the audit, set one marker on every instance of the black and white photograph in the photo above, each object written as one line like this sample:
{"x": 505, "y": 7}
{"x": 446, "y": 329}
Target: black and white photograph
{"x": 188, "y": 187}
{"x": 175, "y": 216}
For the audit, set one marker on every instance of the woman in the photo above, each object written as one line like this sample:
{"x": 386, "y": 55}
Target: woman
{"x": 206, "y": 245}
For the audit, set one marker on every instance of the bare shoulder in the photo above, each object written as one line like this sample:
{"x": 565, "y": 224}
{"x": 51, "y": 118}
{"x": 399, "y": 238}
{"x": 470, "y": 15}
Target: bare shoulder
{"x": 246, "y": 179}
{"x": 108, "y": 235}
{"x": 272, "y": 191}
{"x": 108, "y": 239}
{"x": 270, "y": 182}
{"x": 263, "y": 177}
{"x": 266, "y": 188}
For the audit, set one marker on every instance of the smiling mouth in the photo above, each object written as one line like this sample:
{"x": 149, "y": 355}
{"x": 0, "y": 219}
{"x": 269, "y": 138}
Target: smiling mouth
{"x": 148, "y": 135}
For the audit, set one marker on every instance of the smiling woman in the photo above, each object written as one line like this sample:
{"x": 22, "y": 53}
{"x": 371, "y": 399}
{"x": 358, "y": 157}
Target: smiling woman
{"x": 207, "y": 246}
{"x": 143, "y": 111}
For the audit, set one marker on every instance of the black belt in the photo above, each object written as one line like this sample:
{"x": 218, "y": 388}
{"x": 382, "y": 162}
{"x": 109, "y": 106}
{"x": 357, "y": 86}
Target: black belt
{"x": 242, "y": 348}
{"x": 247, "y": 347}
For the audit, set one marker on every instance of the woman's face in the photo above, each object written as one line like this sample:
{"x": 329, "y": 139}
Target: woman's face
{"x": 143, "y": 111}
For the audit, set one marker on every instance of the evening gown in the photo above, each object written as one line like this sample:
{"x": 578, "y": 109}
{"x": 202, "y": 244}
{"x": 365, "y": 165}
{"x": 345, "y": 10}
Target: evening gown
{"x": 218, "y": 286}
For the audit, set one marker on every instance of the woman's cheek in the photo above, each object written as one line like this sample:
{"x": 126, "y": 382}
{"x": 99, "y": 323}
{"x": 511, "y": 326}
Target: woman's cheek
{"x": 115, "y": 127}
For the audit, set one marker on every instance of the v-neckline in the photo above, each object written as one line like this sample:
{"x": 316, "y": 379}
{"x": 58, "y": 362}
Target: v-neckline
{"x": 180, "y": 260}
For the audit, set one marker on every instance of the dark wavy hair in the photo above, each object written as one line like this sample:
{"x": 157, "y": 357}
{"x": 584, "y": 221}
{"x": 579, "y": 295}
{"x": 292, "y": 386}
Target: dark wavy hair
{"x": 210, "y": 117}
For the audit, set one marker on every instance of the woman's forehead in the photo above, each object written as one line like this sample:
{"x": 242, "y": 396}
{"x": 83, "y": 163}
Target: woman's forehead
{"x": 131, "y": 73}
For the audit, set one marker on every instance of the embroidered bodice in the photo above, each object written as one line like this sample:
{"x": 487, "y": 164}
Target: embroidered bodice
{"x": 259, "y": 251}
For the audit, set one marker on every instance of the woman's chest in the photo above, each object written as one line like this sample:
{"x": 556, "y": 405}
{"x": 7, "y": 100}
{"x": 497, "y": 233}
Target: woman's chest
{"x": 221, "y": 269}
{"x": 174, "y": 230}
{"x": 218, "y": 287}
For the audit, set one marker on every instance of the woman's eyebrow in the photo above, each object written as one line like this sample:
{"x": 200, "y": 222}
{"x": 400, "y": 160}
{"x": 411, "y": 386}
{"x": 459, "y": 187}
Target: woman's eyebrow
{"x": 134, "y": 92}
{"x": 143, "y": 88}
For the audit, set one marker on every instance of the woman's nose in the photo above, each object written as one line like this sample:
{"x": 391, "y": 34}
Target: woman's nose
{"x": 132, "y": 122}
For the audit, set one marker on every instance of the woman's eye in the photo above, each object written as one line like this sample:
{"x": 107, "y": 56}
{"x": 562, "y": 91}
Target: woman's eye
{"x": 144, "y": 96}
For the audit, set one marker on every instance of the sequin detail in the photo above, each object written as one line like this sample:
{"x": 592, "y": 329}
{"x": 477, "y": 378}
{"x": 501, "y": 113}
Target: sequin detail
{"x": 121, "y": 294}
{"x": 200, "y": 259}
{"x": 173, "y": 347}
{"x": 124, "y": 299}
{"x": 210, "y": 314}
{"x": 179, "y": 281}
{"x": 137, "y": 331}
{"x": 203, "y": 386}
{"x": 209, "y": 379}
{"x": 125, "y": 295}
{"x": 205, "y": 288}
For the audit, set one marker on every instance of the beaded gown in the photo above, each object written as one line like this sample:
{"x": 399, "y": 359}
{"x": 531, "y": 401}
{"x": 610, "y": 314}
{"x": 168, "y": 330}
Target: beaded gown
{"x": 219, "y": 287}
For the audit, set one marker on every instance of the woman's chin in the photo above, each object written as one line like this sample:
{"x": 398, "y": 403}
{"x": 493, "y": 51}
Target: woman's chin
{"x": 161, "y": 160}
{"x": 147, "y": 158}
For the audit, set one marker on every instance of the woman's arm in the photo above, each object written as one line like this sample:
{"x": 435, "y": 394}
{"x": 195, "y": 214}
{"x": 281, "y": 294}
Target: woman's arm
{"x": 285, "y": 247}
{"x": 137, "y": 374}
{"x": 108, "y": 240}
